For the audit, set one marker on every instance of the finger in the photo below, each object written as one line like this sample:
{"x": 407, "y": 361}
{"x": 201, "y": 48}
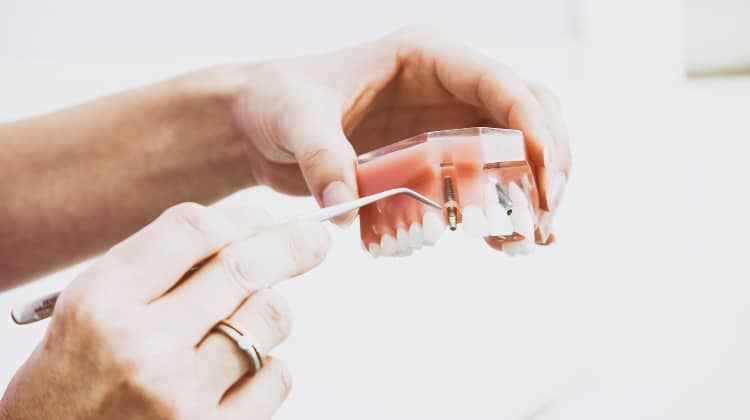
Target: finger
{"x": 264, "y": 318}
{"x": 226, "y": 280}
{"x": 325, "y": 156}
{"x": 555, "y": 176}
{"x": 478, "y": 80}
{"x": 552, "y": 180}
{"x": 259, "y": 396}
{"x": 154, "y": 259}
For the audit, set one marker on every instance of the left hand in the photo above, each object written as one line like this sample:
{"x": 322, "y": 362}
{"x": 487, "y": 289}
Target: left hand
{"x": 306, "y": 118}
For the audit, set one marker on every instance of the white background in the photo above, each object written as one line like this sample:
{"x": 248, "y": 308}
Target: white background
{"x": 640, "y": 309}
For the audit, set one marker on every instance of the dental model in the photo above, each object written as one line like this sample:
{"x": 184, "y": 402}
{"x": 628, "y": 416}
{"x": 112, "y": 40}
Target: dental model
{"x": 480, "y": 176}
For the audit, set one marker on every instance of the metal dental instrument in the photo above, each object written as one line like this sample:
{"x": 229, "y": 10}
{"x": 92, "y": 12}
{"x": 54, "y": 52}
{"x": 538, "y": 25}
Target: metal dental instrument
{"x": 337, "y": 210}
{"x": 42, "y": 307}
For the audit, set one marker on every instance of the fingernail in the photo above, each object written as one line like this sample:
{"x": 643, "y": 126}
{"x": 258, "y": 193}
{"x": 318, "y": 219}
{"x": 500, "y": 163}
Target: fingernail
{"x": 555, "y": 189}
{"x": 337, "y": 192}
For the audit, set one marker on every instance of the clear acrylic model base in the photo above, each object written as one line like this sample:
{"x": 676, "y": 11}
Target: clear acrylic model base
{"x": 480, "y": 176}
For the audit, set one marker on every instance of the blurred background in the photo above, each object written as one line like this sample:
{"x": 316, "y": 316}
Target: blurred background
{"x": 639, "y": 311}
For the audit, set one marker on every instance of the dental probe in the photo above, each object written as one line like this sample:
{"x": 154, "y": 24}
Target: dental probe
{"x": 42, "y": 307}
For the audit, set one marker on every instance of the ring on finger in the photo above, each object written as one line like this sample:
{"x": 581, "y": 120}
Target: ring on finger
{"x": 244, "y": 342}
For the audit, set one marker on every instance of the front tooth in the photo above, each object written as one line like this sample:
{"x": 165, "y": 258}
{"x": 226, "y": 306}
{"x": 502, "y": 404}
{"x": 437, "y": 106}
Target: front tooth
{"x": 432, "y": 228}
{"x": 416, "y": 236}
{"x": 473, "y": 221}
{"x": 517, "y": 196}
{"x": 387, "y": 245}
{"x": 498, "y": 221}
{"x": 402, "y": 240}
{"x": 374, "y": 249}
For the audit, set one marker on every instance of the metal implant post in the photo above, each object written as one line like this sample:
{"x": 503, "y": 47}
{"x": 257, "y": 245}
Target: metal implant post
{"x": 450, "y": 202}
{"x": 504, "y": 198}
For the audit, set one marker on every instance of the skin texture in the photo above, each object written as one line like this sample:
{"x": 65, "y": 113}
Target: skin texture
{"x": 134, "y": 340}
{"x": 77, "y": 181}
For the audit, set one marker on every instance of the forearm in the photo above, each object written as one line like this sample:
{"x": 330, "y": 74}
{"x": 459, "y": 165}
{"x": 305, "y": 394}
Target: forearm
{"x": 76, "y": 181}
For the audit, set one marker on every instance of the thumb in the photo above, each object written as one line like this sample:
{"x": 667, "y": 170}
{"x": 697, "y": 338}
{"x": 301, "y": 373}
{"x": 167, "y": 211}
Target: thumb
{"x": 327, "y": 160}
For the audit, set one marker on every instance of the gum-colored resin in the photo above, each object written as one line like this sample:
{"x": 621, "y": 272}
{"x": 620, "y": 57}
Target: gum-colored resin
{"x": 480, "y": 175}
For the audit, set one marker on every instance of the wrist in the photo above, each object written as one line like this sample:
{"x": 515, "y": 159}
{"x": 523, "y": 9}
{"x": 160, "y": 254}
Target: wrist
{"x": 203, "y": 103}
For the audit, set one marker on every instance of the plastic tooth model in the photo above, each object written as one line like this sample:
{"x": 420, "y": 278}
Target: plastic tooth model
{"x": 479, "y": 175}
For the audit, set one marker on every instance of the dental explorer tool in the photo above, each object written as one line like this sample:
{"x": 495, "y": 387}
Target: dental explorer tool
{"x": 42, "y": 307}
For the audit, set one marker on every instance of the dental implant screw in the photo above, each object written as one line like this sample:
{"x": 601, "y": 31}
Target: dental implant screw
{"x": 504, "y": 198}
{"x": 450, "y": 202}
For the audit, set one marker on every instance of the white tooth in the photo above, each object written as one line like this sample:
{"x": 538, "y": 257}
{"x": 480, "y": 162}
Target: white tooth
{"x": 474, "y": 222}
{"x": 374, "y": 249}
{"x": 512, "y": 248}
{"x": 524, "y": 246}
{"x": 402, "y": 240}
{"x": 523, "y": 223}
{"x": 498, "y": 221}
{"x": 403, "y": 253}
{"x": 432, "y": 228}
{"x": 517, "y": 196}
{"x": 387, "y": 245}
{"x": 415, "y": 236}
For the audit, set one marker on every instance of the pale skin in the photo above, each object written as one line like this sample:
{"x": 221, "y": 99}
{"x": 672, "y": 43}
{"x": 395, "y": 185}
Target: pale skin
{"x": 77, "y": 181}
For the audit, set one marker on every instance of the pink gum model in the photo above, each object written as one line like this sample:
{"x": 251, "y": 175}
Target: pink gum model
{"x": 480, "y": 176}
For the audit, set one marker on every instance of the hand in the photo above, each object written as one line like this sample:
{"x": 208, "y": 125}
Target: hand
{"x": 131, "y": 338}
{"x": 308, "y": 117}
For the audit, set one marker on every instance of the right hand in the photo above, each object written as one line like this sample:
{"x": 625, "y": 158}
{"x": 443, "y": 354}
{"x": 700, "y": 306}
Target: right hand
{"x": 131, "y": 338}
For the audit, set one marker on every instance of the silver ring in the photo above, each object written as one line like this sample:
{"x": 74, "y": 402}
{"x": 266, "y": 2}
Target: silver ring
{"x": 243, "y": 343}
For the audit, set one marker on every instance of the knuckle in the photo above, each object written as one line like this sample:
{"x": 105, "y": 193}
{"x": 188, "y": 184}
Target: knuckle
{"x": 199, "y": 220}
{"x": 275, "y": 312}
{"x": 314, "y": 157}
{"x": 75, "y": 308}
{"x": 303, "y": 249}
{"x": 238, "y": 270}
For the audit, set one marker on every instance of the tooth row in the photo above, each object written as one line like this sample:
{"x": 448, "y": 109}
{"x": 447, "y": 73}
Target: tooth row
{"x": 407, "y": 240}
{"x": 496, "y": 222}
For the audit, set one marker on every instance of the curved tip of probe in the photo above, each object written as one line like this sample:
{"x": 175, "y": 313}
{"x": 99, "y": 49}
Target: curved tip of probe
{"x": 419, "y": 197}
